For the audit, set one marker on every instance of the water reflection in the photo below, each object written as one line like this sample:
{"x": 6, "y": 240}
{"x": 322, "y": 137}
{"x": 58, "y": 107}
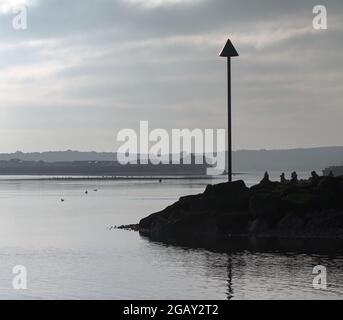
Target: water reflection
{"x": 258, "y": 268}
{"x": 229, "y": 292}
{"x": 257, "y": 244}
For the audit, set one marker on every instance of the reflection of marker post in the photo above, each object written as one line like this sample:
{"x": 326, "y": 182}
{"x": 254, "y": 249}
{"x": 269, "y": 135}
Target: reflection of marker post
{"x": 228, "y": 52}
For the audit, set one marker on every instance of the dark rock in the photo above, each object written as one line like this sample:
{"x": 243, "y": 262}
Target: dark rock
{"x": 329, "y": 184}
{"x": 291, "y": 223}
{"x": 259, "y": 226}
{"x": 229, "y": 189}
{"x": 264, "y": 205}
{"x": 227, "y": 196}
{"x": 265, "y": 187}
{"x": 269, "y": 208}
{"x": 209, "y": 191}
{"x": 130, "y": 227}
{"x": 300, "y": 201}
{"x": 286, "y": 189}
{"x": 329, "y": 192}
{"x": 231, "y": 223}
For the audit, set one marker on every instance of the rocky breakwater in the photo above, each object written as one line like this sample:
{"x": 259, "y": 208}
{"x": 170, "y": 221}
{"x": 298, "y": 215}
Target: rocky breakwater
{"x": 307, "y": 209}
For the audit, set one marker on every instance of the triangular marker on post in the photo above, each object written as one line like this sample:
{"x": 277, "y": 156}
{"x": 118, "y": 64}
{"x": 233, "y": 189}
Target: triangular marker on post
{"x": 229, "y": 50}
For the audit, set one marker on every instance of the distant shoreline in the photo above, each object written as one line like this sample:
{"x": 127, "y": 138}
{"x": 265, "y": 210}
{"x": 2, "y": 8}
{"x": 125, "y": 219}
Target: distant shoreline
{"x": 299, "y": 159}
{"x": 109, "y": 178}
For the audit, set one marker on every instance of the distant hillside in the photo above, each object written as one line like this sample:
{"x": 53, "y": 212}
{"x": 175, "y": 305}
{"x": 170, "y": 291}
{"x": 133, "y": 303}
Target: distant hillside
{"x": 96, "y": 168}
{"x": 56, "y": 156}
{"x": 243, "y": 160}
{"x": 292, "y": 159}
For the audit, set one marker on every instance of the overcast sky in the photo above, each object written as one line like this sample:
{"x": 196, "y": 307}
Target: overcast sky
{"x": 84, "y": 69}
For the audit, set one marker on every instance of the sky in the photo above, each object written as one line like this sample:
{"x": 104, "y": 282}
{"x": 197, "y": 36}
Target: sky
{"x": 85, "y": 69}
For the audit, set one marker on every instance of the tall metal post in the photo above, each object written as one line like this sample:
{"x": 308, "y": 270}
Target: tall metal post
{"x": 229, "y": 128}
{"x": 228, "y": 52}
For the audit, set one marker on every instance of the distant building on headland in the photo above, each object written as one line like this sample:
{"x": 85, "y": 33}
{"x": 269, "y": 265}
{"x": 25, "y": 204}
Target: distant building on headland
{"x": 335, "y": 170}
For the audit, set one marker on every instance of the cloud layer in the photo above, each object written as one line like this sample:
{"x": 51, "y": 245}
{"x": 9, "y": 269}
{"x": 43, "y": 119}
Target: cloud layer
{"x": 85, "y": 69}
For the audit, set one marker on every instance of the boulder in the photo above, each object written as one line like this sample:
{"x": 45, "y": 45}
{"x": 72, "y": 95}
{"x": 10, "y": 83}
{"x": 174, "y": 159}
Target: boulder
{"x": 264, "y": 205}
{"x": 300, "y": 201}
{"x": 269, "y": 208}
{"x": 233, "y": 223}
{"x": 231, "y": 196}
{"x": 226, "y": 188}
{"x": 329, "y": 183}
{"x": 291, "y": 223}
{"x": 265, "y": 187}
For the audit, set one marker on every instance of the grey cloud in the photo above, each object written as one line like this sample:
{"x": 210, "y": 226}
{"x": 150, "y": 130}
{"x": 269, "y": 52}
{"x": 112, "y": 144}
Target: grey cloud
{"x": 108, "y": 64}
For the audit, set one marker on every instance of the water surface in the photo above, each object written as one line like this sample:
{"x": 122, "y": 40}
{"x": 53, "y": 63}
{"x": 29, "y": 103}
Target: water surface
{"x": 71, "y": 253}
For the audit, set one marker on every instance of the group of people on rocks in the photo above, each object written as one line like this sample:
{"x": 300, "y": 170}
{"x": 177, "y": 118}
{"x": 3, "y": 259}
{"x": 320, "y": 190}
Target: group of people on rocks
{"x": 294, "y": 177}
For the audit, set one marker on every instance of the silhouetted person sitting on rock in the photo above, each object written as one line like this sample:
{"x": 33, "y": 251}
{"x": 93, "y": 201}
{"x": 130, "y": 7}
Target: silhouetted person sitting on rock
{"x": 294, "y": 177}
{"x": 265, "y": 178}
{"x": 314, "y": 177}
{"x": 331, "y": 174}
{"x": 283, "y": 178}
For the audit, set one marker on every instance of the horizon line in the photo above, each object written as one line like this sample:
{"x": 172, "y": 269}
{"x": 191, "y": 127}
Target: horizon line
{"x": 237, "y": 150}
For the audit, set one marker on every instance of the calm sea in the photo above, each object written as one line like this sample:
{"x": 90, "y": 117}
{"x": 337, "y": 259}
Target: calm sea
{"x": 70, "y": 251}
